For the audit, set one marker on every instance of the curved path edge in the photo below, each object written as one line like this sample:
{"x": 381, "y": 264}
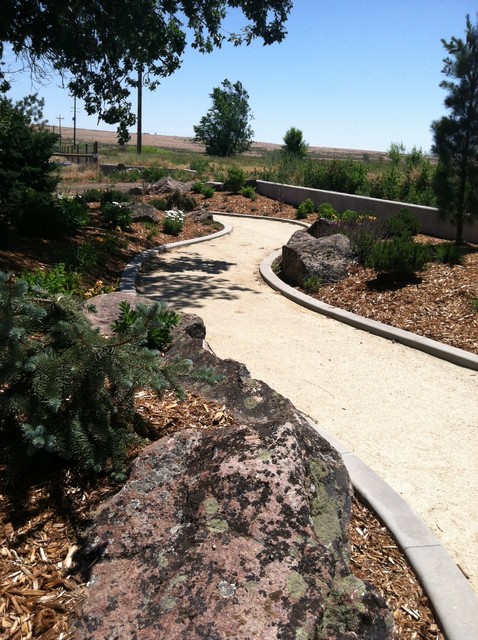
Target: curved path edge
{"x": 452, "y": 599}
{"x": 432, "y": 347}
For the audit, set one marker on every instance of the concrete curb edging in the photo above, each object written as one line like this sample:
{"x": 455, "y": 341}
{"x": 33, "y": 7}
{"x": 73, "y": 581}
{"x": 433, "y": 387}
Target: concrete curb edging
{"x": 131, "y": 271}
{"x": 432, "y": 347}
{"x": 452, "y": 599}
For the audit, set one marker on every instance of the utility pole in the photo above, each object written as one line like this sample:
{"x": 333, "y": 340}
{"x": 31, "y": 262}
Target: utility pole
{"x": 139, "y": 123}
{"x": 59, "y": 118}
{"x": 74, "y": 122}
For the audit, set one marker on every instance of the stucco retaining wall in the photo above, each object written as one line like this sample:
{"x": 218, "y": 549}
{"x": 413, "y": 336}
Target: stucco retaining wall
{"x": 429, "y": 221}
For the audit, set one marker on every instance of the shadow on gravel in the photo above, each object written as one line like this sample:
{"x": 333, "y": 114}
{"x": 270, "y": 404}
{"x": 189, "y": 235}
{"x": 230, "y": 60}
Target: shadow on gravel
{"x": 188, "y": 280}
{"x": 189, "y": 263}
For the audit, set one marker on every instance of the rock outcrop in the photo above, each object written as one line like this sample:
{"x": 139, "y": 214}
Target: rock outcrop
{"x": 236, "y": 533}
{"x": 305, "y": 256}
{"x": 144, "y": 212}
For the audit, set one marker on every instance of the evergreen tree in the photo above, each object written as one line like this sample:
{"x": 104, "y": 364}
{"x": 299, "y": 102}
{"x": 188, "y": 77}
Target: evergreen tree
{"x": 225, "y": 129}
{"x": 25, "y": 150}
{"x": 294, "y": 143}
{"x": 67, "y": 390}
{"x": 456, "y": 135}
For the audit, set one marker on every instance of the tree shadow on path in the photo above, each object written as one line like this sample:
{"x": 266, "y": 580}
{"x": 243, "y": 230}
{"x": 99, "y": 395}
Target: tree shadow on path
{"x": 189, "y": 280}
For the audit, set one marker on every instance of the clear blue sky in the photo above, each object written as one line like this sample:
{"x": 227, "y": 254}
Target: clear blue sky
{"x": 356, "y": 74}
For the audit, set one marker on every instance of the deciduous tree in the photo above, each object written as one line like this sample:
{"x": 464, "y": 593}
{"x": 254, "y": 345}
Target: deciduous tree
{"x": 100, "y": 45}
{"x": 456, "y": 134}
{"x": 225, "y": 129}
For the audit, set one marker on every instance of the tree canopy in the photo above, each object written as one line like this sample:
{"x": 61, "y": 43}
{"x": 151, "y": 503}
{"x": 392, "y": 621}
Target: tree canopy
{"x": 225, "y": 129}
{"x": 99, "y": 45}
{"x": 456, "y": 134}
{"x": 294, "y": 143}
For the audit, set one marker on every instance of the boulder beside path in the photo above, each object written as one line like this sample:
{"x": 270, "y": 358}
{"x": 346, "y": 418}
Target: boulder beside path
{"x": 234, "y": 533}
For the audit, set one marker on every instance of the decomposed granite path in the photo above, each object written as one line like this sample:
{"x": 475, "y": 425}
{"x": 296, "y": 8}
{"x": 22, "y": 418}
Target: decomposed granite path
{"x": 411, "y": 417}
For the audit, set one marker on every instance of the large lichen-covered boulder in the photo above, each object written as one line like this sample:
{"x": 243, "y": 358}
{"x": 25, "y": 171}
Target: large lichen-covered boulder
{"x": 234, "y": 533}
{"x": 239, "y": 532}
{"x": 305, "y": 256}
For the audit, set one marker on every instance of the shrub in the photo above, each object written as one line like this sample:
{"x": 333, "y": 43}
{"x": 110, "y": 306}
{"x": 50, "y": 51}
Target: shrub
{"x": 327, "y": 211}
{"x": 54, "y": 280}
{"x": 159, "y": 324}
{"x": 235, "y": 179}
{"x": 153, "y": 174}
{"x": 69, "y": 392}
{"x": 403, "y": 225}
{"x": 114, "y": 195}
{"x": 248, "y": 192}
{"x": 304, "y": 209}
{"x": 204, "y": 189}
{"x": 447, "y": 254}
{"x": 200, "y": 165}
{"x": 312, "y": 284}
{"x": 159, "y": 203}
{"x": 208, "y": 191}
{"x": 92, "y": 195}
{"x": 115, "y": 215}
{"x": 399, "y": 258}
{"x": 198, "y": 187}
{"x": 41, "y": 215}
{"x": 173, "y": 222}
{"x": 25, "y": 152}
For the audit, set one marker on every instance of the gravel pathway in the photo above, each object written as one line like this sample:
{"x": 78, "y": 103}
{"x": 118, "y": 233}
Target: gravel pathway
{"x": 409, "y": 416}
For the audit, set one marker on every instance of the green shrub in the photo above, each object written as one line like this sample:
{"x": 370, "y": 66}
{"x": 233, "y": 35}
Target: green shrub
{"x": 208, "y": 191}
{"x": 159, "y": 324}
{"x": 198, "y": 187}
{"x": 327, "y": 211}
{"x": 25, "y": 149}
{"x": 203, "y": 189}
{"x": 160, "y": 203}
{"x": 92, "y": 195}
{"x": 54, "y": 280}
{"x": 153, "y": 174}
{"x": 69, "y": 392}
{"x": 446, "y": 253}
{"x": 235, "y": 179}
{"x": 304, "y": 209}
{"x": 249, "y": 192}
{"x": 200, "y": 165}
{"x": 474, "y": 304}
{"x": 403, "y": 225}
{"x": 115, "y": 215}
{"x": 349, "y": 215}
{"x": 41, "y": 215}
{"x": 312, "y": 284}
{"x": 398, "y": 257}
{"x": 109, "y": 196}
{"x": 173, "y": 222}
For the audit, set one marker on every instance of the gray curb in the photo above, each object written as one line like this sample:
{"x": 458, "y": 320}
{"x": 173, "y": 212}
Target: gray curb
{"x": 434, "y": 348}
{"x": 131, "y": 271}
{"x": 452, "y": 599}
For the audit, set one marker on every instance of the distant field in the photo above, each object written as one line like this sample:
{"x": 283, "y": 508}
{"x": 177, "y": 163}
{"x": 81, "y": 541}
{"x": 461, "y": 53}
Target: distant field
{"x": 179, "y": 143}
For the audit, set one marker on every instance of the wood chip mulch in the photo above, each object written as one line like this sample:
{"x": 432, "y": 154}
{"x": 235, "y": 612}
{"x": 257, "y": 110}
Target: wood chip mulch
{"x": 41, "y": 587}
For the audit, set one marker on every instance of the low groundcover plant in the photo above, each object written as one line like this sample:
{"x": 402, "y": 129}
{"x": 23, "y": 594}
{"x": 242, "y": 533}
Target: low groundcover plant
{"x": 173, "y": 222}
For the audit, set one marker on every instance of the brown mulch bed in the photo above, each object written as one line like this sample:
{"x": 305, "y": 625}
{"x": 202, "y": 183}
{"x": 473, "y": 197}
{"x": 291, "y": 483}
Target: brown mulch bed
{"x": 41, "y": 586}
{"x": 39, "y": 582}
{"x": 439, "y": 304}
